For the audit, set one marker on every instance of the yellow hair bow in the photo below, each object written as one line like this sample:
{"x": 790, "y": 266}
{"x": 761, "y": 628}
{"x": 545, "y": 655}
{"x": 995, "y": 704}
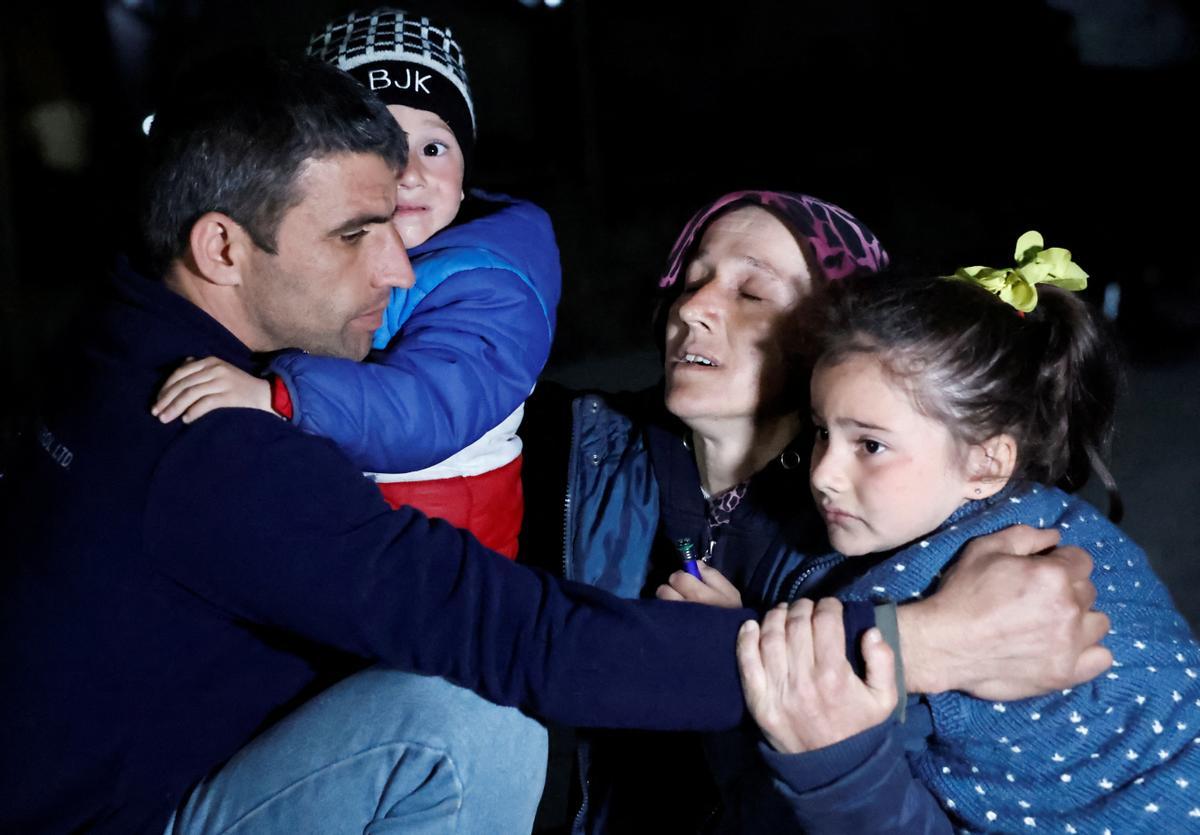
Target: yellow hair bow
{"x": 1035, "y": 265}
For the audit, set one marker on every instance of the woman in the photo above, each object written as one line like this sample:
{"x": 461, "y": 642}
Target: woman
{"x": 723, "y": 467}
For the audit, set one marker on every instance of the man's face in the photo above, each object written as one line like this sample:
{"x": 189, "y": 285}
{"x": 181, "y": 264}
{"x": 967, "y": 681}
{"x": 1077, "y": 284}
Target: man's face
{"x": 338, "y": 257}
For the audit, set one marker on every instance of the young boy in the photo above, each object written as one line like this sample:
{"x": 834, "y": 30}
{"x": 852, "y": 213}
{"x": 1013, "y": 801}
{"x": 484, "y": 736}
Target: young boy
{"x": 432, "y": 414}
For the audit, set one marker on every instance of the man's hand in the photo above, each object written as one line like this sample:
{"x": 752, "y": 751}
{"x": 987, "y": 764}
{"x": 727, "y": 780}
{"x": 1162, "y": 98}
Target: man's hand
{"x": 1005, "y": 624}
{"x": 798, "y": 685}
{"x": 715, "y": 590}
{"x": 199, "y": 386}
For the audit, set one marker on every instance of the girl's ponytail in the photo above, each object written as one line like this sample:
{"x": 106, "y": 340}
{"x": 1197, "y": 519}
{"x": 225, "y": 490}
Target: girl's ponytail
{"x": 1075, "y": 394}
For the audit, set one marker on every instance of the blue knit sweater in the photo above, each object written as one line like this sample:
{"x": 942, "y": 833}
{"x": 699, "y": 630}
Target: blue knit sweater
{"x": 1120, "y": 753}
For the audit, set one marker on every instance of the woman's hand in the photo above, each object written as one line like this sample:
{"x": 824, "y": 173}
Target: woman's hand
{"x": 800, "y": 688}
{"x": 714, "y": 590}
{"x": 199, "y": 386}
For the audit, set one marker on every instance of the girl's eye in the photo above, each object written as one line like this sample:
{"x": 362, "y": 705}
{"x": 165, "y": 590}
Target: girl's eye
{"x": 873, "y": 447}
{"x": 434, "y": 149}
{"x": 821, "y": 433}
{"x": 750, "y": 297}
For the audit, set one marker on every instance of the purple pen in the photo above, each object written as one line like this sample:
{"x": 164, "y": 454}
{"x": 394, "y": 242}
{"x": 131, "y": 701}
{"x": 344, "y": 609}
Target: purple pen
{"x": 687, "y": 550}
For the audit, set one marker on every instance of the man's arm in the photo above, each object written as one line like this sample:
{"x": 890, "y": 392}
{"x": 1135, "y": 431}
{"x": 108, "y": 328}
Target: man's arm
{"x": 276, "y": 528}
{"x": 1007, "y": 623}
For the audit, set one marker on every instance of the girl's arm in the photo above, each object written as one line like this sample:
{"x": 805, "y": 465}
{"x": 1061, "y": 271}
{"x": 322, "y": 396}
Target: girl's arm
{"x": 834, "y": 751}
{"x": 800, "y": 688}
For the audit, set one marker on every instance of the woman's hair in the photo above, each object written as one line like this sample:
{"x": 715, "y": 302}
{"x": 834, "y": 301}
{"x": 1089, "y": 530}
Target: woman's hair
{"x": 1049, "y": 378}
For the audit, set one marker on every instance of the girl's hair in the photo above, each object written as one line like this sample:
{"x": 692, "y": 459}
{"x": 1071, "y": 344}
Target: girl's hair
{"x": 1049, "y": 378}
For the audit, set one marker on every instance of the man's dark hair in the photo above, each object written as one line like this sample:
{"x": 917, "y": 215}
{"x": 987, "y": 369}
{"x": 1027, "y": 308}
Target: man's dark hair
{"x": 235, "y": 134}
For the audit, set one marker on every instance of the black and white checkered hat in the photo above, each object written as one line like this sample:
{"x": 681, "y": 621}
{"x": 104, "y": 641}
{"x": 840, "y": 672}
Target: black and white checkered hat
{"x": 404, "y": 59}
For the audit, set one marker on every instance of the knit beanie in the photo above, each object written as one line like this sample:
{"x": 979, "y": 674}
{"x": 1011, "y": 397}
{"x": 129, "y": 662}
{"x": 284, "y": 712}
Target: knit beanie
{"x": 404, "y": 59}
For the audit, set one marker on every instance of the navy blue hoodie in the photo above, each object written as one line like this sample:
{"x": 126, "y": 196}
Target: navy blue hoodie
{"x": 169, "y": 591}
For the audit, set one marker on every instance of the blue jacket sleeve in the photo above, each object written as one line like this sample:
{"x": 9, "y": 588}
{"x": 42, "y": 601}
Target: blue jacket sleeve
{"x": 861, "y": 784}
{"x": 466, "y": 358}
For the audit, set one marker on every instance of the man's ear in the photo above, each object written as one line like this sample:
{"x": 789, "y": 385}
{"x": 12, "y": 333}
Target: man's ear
{"x": 990, "y": 464}
{"x": 219, "y": 246}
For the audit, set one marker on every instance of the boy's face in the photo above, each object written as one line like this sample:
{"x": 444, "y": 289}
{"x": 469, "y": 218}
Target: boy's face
{"x": 883, "y": 474}
{"x": 430, "y": 189}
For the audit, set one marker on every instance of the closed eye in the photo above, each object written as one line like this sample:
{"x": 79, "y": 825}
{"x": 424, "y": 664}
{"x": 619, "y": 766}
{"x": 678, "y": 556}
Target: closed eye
{"x": 354, "y": 237}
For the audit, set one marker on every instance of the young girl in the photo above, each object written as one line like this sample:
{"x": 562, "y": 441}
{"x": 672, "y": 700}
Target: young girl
{"x": 432, "y": 416}
{"x": 946, "y": 409}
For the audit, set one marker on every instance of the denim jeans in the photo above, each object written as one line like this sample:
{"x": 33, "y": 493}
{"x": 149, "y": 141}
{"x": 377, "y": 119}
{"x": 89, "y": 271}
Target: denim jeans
{"x": 381, "y": 751}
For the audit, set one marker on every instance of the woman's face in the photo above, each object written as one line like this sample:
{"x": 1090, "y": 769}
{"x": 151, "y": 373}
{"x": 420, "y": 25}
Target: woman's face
{"x": 724, "y": 358}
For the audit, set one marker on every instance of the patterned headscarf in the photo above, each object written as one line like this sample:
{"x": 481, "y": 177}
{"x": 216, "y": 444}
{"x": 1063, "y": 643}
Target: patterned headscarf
{"x": 839, "y": 244}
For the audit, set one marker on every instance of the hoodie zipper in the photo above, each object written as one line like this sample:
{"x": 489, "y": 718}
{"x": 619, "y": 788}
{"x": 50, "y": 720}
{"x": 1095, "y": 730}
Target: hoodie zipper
{"x": 808, "y": 572}
{"x": 567, "y": 493}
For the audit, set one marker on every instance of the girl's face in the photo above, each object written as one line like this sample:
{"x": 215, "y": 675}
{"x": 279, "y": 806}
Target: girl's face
{"x": 723, "y": 354}
{"x": 883, "y": 474}
{"x": 430, "y": 189}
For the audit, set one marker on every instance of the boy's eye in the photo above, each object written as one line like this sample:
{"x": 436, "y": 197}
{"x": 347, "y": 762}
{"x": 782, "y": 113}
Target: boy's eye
{"x": 433, "y": 149}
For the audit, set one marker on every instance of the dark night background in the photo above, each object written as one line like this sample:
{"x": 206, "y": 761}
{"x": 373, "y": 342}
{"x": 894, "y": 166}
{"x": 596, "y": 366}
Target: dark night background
{"x": 949, "y": 127}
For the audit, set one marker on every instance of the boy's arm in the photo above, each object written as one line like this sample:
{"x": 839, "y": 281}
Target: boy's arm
{"x": 466, "y": 358}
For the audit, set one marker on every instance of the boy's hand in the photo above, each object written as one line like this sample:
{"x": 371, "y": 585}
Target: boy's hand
{"x": 199, "y": 386}
{"x": 800, "y": 688}
{"x": 715, "y": 590}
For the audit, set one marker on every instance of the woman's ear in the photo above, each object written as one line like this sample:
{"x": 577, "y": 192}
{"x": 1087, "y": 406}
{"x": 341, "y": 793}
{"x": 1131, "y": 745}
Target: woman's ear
{"x": 990, "y": 465}
{"x": 217, "y": 247}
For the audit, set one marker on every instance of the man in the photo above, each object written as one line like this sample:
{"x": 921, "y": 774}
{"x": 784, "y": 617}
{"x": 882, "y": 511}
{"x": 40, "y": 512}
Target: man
{"x": 189, "y": 609}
